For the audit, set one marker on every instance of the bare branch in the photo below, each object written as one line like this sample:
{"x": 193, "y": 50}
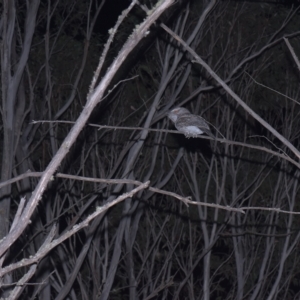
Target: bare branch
{"x": 48, "y": 245}
{"x": 292, "y": 52}
{"x": 231, "y": 93}
{"x": 93, "y": 100}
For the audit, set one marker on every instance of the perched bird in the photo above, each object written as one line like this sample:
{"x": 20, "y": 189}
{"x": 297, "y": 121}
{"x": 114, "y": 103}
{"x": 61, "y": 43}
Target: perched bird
{"x": 189, "y": 124}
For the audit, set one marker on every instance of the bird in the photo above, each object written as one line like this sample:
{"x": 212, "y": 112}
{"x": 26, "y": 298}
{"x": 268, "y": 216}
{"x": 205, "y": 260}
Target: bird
{"x": 187, "y": 123}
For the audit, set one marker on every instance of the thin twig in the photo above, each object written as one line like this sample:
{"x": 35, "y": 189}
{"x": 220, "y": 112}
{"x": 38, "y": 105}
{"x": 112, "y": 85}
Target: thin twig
{"x": 112, "y": 33}
{"x": 186, "y": 200}
{"x": 225, "y": 141}
{"x": 258, "y": 83}
{"x": 292, "y": 52}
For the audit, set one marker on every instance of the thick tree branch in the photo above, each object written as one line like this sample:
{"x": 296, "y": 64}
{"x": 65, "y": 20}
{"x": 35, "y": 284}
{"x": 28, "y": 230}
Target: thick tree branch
{"x": 93, "y": 100}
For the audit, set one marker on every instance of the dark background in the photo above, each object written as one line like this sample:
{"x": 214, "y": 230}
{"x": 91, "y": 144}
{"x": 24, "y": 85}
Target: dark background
{"x": 153, "y": 246}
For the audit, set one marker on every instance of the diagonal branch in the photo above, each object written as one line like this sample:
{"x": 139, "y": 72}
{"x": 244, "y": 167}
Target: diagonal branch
{"x": 139, "y": 32}
{"x": 49, "y": 244}
{"x": 231, "y": 93}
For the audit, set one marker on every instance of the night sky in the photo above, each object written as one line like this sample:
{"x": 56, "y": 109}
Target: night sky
{"x": 109, "y": 14}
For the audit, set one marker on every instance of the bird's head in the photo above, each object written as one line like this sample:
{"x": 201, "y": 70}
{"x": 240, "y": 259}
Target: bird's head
{"x": 176, "y": 112}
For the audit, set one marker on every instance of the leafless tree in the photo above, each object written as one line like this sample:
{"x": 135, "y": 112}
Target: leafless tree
{"x": 95, "y": 214}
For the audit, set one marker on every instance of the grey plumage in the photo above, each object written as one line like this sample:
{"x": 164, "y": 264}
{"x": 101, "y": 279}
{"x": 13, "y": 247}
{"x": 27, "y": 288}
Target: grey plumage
{"x": 189, "y": 124}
